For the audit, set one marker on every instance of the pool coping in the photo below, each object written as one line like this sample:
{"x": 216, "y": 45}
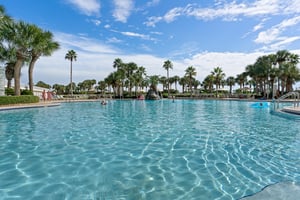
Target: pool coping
{"x": 292, "y": 110}
{"x": 32, "y": 105}
{"x": 42, "y": 104}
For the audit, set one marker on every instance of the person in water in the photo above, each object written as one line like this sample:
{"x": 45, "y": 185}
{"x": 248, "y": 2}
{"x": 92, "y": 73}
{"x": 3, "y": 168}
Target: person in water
{"x": 103, "y": 102}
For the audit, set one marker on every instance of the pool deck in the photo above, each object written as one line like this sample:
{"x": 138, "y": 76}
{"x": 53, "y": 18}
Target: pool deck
{"x": 31, "y": 105}
{"x": 42, "y": 104}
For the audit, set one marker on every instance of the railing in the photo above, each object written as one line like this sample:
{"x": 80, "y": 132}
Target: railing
{"x": 295, "y": 99}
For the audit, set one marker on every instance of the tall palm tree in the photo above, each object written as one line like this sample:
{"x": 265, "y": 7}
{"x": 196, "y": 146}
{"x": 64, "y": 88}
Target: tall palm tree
{"x": 176, "y": 80}
{"x": 208, "y": 82}
{"x": 218, "y": 76}
{"x": 120, "y": 66}
{"x": 19, "y": 38}
{"x": 230, "y": 81}
{"x": 183, "y": 82}
{"x": 190, "y": 72}
{"x": 241, "y": 79}
{"x": 167, "y": 66}
{"x": 140, "y": 76}
{"x": 130, "y": 68}
{"x": 282, "y": 57}
{"x": 43, "y": 45}
{"x": 287, "y": 69}
{"x": 72, "y": 56}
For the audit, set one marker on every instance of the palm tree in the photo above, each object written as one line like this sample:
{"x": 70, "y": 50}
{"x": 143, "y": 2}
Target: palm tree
{"x": 241, "y": 79}
{"x": 140, "y": 74}
{"x": 183, "y": 82}
{"x": 282, "y": 57}
{"x": 43, "y": 45}
{"x": 3, "y": 15}
{"x": 60, "y": 89}
{"x": 230, "y": 81}
{"x": 190, "y": 72}
{"x": 153, "y": 81}
{"x": 176, "y": 79}
{"x": 72, "y": 56}
{"x": 102, "y": 86}
{"x": 130, "y": 68}
{"x": 208, "y": 82}
{"x": 164, "y": 81}
{"x": 120, "y": 66}
{"x": 3, "y": 49}
{"x": 9, "y": 73}
{"x": 218, "y": 76}
{"x": 19, "y": 38}
{"x": 167, "y": 66}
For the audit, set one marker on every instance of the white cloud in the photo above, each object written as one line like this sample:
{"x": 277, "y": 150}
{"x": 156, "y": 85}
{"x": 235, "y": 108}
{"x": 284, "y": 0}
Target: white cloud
{"x": 96, "y": 22}
{"x": 274, "y": 33}
{"x": 232, "y": 63}
{"x": 281, "y": 44}
{"x": 229, "y": 11}
{"x": 153, "y": 3}
{"x": 258, "y": 27}
{"x": 152, "y": 21}
{"x": 107, "y": 26}
{"x": 172, "y": 14}
{"x": 122, "y": 10}
{"x": 87, "y": 7}
{"x": 132, "y": 34}
{"x": 82, "y": 43}
{"x": 114, "y": 40}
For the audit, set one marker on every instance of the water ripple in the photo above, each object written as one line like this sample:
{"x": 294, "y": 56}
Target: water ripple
{"x": 145, "y": 150}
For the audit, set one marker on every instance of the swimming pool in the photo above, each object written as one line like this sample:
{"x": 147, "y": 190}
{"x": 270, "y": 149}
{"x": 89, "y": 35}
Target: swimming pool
{"x": 187, "y": 149}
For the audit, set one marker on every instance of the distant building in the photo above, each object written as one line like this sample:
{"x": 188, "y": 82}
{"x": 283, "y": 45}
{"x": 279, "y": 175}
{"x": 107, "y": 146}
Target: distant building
{"x": 37, "y": 91}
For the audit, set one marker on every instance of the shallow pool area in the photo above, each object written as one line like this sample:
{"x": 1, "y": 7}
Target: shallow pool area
{"x": 130, "y": 149}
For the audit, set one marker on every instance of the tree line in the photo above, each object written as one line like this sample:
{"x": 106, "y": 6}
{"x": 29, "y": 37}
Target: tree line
{"x": 269, "y": 72}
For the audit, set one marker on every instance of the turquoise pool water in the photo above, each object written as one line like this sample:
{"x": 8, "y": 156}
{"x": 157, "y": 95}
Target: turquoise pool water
{"x": 146, "y": 150}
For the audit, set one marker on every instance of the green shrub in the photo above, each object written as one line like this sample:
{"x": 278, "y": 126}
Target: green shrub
{"x": 26, "y": 92}
{"x": 9, "y": 91}
{"x": 7, "y": 100}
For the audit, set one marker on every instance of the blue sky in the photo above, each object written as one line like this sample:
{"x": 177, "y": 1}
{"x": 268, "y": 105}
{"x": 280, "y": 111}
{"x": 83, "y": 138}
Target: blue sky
{"x": 203, "y": 33}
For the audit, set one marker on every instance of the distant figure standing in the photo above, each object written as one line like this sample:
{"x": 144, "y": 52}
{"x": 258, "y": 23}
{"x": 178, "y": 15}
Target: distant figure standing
{"x": 49, "y": 95}
{"x": 44, "y": 95}
{"x": 173, "y": 97}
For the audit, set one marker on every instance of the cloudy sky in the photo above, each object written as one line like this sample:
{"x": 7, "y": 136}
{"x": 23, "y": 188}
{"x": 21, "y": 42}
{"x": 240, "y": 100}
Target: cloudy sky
{"x": 200, "y": 33}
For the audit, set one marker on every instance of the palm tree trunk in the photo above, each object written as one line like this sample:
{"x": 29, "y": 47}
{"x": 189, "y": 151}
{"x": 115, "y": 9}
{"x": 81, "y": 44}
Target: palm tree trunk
{"x": 30, "y": 72}
{"x": 71, "y": 81}
{"x": 9, "y": 83}
{"x": 17, "y": 75}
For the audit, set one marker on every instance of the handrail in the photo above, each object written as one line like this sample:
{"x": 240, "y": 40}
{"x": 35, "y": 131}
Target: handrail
{"x": 295, "y": 95}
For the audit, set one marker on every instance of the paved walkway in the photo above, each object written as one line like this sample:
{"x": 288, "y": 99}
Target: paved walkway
{"x": 42, "y": 104}
{"x": 30, "y": 105}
